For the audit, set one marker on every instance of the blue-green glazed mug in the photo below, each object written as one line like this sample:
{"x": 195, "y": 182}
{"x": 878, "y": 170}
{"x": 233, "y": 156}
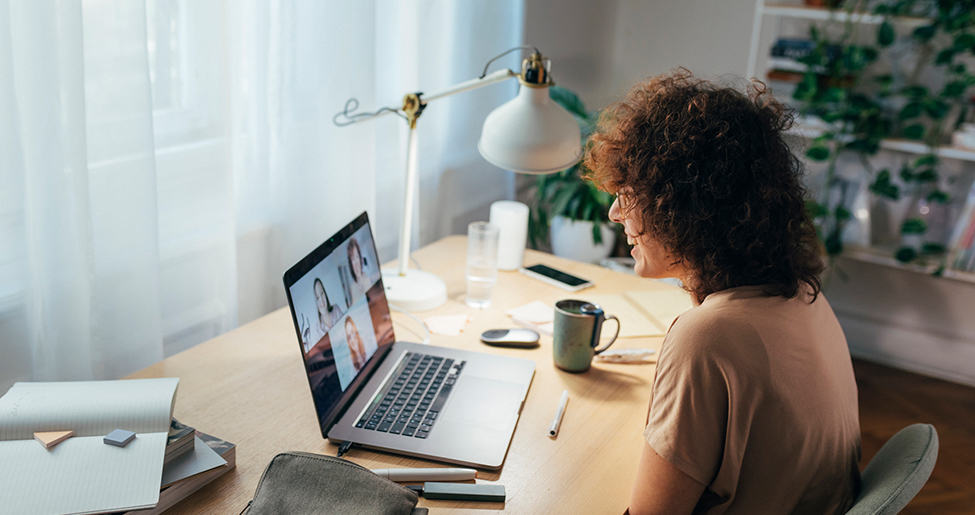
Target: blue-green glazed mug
{"x": 576, "y": 334}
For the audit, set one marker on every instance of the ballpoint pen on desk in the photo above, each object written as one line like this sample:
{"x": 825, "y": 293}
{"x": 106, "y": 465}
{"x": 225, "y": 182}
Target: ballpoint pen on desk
{"x": 426, "y": 474}
{"x": 553, "y": 430}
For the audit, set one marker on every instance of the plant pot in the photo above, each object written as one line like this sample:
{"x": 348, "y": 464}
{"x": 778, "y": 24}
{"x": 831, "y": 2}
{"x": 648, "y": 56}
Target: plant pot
{"x": 573, "y": 239}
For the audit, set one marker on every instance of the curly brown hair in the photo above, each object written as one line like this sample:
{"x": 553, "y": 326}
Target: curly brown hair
{"x": 706, "y": 170}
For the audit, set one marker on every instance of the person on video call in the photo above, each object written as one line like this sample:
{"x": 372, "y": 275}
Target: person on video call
{"x": 754, "y": 404}
{"x": 357, "y": 265}
{"x": 328, "y": 313}
{"x": 356, "y": 348}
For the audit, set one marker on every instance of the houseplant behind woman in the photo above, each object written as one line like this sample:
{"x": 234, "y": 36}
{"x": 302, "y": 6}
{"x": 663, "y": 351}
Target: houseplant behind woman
{"x": 754, "y": 404}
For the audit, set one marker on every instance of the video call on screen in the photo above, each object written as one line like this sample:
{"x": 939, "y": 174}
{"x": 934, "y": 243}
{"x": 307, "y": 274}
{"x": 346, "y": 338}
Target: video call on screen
{"x": 342, "y": 316}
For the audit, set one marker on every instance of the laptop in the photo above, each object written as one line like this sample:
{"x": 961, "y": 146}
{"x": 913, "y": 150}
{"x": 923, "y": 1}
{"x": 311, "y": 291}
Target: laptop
{"x": 420, "y": 400}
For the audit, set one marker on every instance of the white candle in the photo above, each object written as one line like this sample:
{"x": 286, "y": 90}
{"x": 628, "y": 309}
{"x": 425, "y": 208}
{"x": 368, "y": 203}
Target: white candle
{"x": 512, "y": 219}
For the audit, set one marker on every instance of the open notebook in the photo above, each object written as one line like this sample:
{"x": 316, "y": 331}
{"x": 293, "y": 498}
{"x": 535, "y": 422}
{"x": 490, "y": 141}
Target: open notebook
{"x": 83, "y": 474}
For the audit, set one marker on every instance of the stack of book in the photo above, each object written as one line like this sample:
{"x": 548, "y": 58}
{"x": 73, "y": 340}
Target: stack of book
{"x": 193, "y": 459}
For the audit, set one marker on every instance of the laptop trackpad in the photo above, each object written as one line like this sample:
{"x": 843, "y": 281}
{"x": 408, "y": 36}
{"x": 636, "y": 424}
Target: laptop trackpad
{"x": 484, "y": 402}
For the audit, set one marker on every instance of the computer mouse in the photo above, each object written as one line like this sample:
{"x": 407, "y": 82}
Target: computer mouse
{"x": 516, "y": 337}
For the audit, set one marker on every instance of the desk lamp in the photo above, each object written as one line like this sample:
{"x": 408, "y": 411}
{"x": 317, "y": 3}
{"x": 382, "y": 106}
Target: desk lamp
{"x": 529, "y": 134}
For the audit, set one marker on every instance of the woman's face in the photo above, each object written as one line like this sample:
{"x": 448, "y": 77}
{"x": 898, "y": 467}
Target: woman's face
{"x": 354, "y": 341}
{"x": 320, "y": 298}
{"x": 356, "y": 262}
{"x": 652, "y": 260}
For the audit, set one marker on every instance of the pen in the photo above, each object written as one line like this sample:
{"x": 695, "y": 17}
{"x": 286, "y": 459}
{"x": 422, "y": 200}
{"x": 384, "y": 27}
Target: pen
{"x": 553, "y": 430}
{"x": 426, "y": 474}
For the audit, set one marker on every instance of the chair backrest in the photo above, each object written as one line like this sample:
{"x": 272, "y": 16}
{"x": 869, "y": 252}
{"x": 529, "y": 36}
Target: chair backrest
{"x": 898, "y": 471}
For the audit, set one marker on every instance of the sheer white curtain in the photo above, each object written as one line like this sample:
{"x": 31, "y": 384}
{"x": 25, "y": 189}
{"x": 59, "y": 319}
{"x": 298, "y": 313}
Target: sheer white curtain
{"x": 163, "y": 162}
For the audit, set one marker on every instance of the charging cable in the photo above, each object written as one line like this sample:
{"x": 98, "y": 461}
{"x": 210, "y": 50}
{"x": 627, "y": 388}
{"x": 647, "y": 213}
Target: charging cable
{"x": 426, "y": 330}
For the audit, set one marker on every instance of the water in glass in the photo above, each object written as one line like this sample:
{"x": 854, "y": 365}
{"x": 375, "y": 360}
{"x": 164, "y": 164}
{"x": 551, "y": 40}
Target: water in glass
{"x": 482, "y": 263}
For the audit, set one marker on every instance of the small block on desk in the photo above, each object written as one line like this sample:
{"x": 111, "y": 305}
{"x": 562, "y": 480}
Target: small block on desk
{"x": 51, "y": 438}
{"x": 119, "y": 437}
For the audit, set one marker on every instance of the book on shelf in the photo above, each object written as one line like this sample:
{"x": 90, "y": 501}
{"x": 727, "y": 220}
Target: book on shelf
{"x": 178, "y": 490}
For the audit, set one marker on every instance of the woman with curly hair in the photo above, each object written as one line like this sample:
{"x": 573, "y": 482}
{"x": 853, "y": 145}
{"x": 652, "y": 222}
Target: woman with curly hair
{"x": 754, "y": 403}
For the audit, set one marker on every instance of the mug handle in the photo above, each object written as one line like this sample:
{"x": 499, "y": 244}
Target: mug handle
{"x": 617, "y": 333}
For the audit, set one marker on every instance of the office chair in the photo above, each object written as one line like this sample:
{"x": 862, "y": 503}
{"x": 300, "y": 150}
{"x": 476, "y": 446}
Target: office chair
{"x": 898, "y": 471}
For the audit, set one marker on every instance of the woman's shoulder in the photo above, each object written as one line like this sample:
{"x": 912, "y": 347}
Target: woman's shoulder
{"x": 710, "y": 326}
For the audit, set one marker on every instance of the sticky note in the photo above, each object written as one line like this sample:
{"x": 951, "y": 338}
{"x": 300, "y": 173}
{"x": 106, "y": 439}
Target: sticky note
{"x": 119, "y": 437}
{"x": 51, "y": 438}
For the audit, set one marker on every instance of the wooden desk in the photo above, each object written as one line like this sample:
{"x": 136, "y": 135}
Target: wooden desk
{"x": 248, "y": 386}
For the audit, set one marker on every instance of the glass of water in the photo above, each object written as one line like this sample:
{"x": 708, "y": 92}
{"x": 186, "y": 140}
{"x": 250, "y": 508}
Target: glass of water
{"x": 482, "y": 263}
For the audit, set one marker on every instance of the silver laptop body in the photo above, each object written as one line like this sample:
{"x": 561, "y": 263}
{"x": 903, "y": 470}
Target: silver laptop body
{"x": 453, "y": 405}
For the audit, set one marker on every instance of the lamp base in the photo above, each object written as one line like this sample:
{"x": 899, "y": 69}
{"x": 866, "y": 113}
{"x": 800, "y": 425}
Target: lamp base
{"x": 415, "y": 291}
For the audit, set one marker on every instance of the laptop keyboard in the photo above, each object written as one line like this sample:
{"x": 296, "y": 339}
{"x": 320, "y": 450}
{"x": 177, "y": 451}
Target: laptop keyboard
{"x": 410, "y": 402}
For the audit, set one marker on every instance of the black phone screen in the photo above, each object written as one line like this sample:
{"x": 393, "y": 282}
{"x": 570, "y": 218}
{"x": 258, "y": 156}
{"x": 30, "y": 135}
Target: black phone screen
{"x": 558, "y": 275}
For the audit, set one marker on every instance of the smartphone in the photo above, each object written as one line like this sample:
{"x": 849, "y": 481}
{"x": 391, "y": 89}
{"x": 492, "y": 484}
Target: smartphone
{"x": 556, "y": 277}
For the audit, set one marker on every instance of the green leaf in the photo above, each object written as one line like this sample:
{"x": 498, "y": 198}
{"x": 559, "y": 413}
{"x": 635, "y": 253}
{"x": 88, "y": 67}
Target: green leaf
{"x": 842, "y": 214}
{"x": 936, "y": 109}
{"x": 914, "y": 131}
{"x": 932, "y": 248}
{"x": 964, "y": 41}
{"x": 938, "y": 196}
{"x": 907, "y": 175}
{"x": 924, "y": 33}
{"x": 885, "y": 34}
{"x": 883, "y": 187}
{"x": 569, "y": 101}
{"x": 910, "y": 110}
{"x": 870, "y": 53}
{"x": 834, "y": 95}
{"x": 818, "y": 153}
{"x": 954, "y": 89}
{"x": 914, "y": 226}
{"x": 915, "y": 91}
{"x": 905, "y": 254}
{"x": 815, "y": 209}
{"x": 926, "y": 175}
{"x": 945, "y": 56}
{"x": 833, "y": 243}
{"x": 926, "y": 160}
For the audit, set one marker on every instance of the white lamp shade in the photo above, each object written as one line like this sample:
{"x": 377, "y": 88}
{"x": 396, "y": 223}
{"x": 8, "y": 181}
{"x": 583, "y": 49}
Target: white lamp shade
{"x": 531, "y": 134}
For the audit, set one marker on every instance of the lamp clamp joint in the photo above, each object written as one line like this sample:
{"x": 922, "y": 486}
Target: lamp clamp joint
{"x": 413, "y": 106}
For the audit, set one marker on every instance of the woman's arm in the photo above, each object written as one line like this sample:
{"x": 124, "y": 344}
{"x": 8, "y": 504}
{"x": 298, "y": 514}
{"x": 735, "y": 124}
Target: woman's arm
{"x": 661, "y": 487}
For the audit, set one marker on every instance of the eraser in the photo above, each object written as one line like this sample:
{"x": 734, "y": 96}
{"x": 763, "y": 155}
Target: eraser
{"x": 51, "y": 438}
{"x": 119, "y": 437}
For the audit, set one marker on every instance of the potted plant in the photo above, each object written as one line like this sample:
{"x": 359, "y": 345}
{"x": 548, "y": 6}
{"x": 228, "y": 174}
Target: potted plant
{"x": 569, "y": 208}
{"x": 861, "y": 108}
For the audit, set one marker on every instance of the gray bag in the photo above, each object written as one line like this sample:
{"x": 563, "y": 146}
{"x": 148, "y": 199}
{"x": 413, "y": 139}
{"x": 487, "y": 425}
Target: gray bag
{"x": 301, "y": 482}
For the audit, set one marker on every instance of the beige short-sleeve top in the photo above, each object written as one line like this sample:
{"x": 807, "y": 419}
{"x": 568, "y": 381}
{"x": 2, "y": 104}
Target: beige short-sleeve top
{"x": 754, "y": 397}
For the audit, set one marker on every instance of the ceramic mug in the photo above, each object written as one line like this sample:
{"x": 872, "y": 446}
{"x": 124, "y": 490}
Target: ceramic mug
{"x": 576, "y": 334}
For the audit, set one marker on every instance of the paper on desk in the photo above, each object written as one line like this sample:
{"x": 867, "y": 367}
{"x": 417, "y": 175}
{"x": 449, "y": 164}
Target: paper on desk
{"x": 83, "y": 474}
{"x": 662, "y": 305}
{"x": 536, "y": 315}
{"x": 634, "y": 321}
{"x": 450, "y": 325}
{"x": 202, "y": 459}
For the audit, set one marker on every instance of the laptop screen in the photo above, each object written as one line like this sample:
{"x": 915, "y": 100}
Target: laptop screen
{"x": 340, "y": 313}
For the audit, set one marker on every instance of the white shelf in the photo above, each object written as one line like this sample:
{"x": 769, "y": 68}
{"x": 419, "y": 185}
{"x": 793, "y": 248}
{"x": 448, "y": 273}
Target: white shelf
{"x": 823, "y": 14}
{"x": 886, "y": 258}
{"x": 785, "y": 64}
{"x": 807, "y": 128}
